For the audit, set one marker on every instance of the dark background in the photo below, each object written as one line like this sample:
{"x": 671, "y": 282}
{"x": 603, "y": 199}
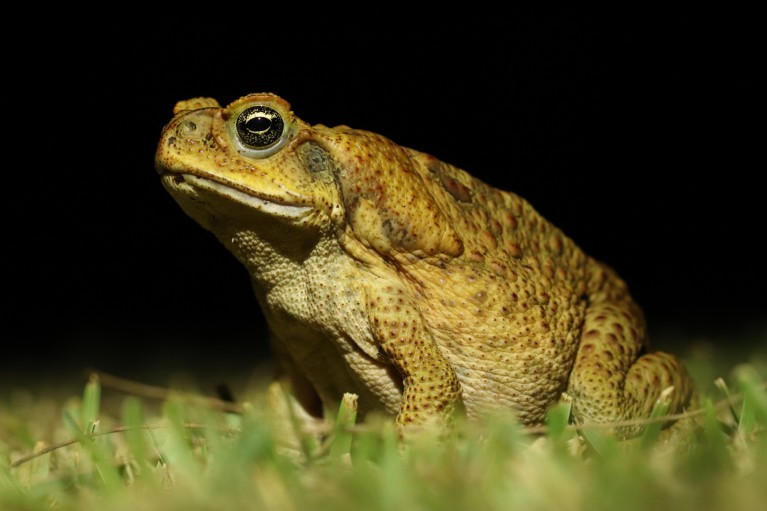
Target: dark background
{"x": 635, "y": 132}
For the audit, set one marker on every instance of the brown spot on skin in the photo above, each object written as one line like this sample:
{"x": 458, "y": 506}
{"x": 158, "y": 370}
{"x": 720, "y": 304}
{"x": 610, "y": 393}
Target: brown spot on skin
{"x": 555, "y": 243}
{"x": 509, "y": 220}
{"x": 474, "y": 255}
{"x": 459, "y": 191}
{"x": 514, "y": 249}
{"x": 591, "y": 334}
{"x": 498, "y": 268}
{"x": 488, "y": 240}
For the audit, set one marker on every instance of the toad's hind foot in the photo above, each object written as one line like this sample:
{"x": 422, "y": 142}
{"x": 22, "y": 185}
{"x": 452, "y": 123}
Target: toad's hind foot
{"x": 652, "y": 379}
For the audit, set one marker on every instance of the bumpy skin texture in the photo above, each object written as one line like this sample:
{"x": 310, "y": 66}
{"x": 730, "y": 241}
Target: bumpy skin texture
{"x": 386, "y": 272}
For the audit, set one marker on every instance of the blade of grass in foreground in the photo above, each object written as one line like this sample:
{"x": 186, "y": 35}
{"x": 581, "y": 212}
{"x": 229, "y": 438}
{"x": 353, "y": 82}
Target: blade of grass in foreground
{"x": 91, "y": 404}
{"x": 754, "y": 407}
{"x": 652, "y": 431}
{"x": 342, "y": 435}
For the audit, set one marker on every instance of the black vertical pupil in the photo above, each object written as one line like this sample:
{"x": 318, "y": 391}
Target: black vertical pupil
{"x": 259, "y": 126}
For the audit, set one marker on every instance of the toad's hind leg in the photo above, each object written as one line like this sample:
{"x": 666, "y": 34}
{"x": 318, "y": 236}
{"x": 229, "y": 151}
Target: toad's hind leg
{"x": 611, "y": 381}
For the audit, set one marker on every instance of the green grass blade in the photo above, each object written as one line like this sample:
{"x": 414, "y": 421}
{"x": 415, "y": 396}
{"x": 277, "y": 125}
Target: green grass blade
{"x": 342, "y": 436}
{"x": 558, "y": 420}
{"x": 754, "y": 407}
{"x": 602, "y": 442}
{"x": 136, "y": 435}
{"x": 652, "y": 431}
{"x": 89, "y": 414}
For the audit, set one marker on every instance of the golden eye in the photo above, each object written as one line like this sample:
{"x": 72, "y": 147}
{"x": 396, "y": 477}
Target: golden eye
{"x": 259, "y": 127}
{"x": 258, "y": 131}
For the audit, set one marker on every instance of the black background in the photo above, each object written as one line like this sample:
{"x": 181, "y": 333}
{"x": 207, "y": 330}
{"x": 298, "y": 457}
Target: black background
{"x": 635, "y": 132}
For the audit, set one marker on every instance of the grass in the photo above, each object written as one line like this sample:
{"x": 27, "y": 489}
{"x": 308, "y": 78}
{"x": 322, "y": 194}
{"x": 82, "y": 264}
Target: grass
{"x": 85, "y": 453}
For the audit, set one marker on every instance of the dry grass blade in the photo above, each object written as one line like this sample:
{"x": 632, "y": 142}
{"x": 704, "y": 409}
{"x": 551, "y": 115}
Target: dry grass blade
{"x": 161, "y": 393}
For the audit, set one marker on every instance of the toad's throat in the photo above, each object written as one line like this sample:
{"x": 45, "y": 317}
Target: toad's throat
{"x": 191, "y": 184}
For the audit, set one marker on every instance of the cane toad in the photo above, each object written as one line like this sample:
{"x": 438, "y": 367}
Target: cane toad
{"x": 386, "y": 272}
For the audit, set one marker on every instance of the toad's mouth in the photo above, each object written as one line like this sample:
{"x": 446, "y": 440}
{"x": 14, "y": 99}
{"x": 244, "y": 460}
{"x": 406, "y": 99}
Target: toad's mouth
{"x": 191, "y": 185}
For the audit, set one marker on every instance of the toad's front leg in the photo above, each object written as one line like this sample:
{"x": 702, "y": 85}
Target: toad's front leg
{"x": 432, "y": 392}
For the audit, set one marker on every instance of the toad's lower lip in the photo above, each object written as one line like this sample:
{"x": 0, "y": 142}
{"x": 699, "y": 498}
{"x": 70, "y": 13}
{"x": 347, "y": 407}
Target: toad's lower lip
{"x": 189, "y": 181}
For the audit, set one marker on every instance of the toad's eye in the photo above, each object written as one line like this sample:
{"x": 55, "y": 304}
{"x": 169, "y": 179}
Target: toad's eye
{"x": 259, "y": 127}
